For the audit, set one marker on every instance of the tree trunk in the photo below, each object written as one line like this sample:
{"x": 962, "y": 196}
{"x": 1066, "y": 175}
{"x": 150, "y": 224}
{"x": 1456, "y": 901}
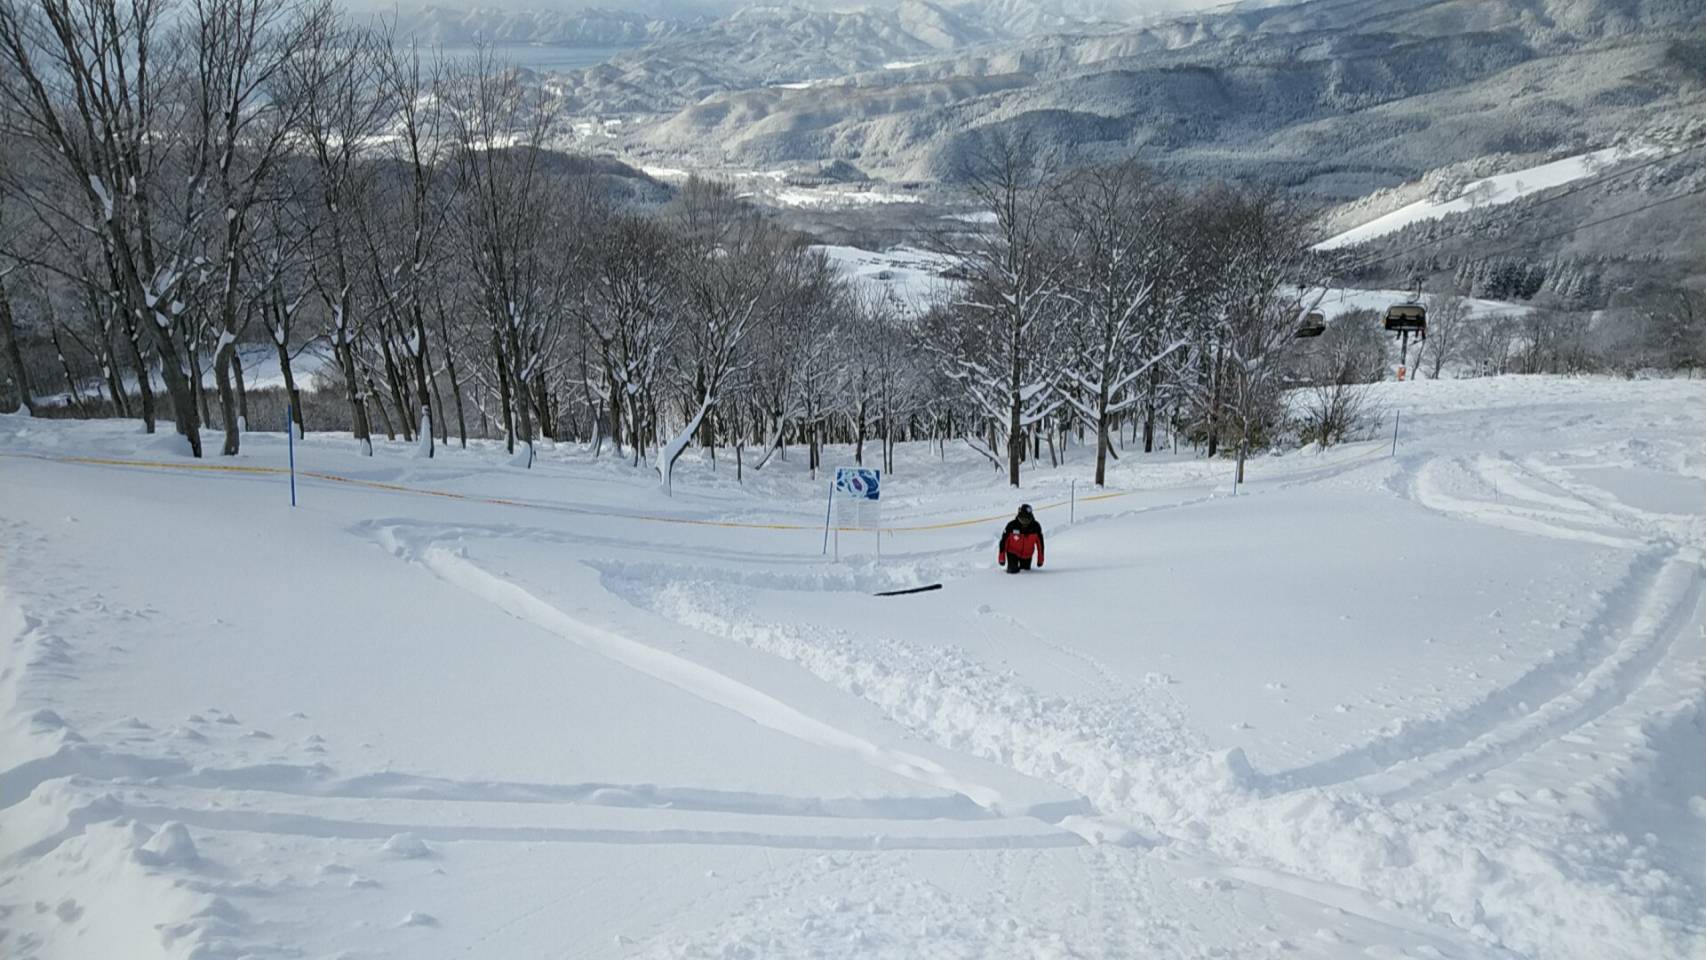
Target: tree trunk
{"x": 1214, "y": 406}
{"x": 70, "y": 379}
{"x": 144, "y": 377}
{"x": 542, "y": 408}
{"x": 227, "y": 397}
{"x": 423, "y": 382}
{"x": 518, "y": 392}
{"x": 115, "y": 383}
{"x": 1149, "y": 412}
{"x": 1015, "y": 439}
{"x": 455, "y": 385}
{"x": 198, "y": 384}
{"x": 359, "y": 424}
{"x": 503, "y": 391}
{"x": 672, "y": 452}
{"x": 242, "y": 394}
{"x": 615, "y": 413}
{"x": 292, "y": 394}
{"x": 859, "y": 448}
{"x": 394, "y": 380}
{"x": 379, "y": 404}
{"x": 438, "y": 413}
{"x": 14, "y": 353}
{"x": 109, "y": 358}
{"x": 1102, "y": 446}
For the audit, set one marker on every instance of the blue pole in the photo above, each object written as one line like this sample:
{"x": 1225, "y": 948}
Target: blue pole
{"x": 290, "y": 444}
{"x": 827, "y": 507}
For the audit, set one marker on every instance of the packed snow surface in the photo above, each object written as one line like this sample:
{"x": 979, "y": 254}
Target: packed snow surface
{"x": 1442, "y": 703}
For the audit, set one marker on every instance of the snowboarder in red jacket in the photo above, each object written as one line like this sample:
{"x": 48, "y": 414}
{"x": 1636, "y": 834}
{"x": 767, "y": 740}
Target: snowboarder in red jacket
{"x": 1022, "y": 540}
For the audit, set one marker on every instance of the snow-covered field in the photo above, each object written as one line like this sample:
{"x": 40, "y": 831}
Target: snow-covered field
{"x": 913, "y": 280}
{"x": 909, "y": 277}
{"x": 260, "y": 372}
{"x": 1443, "y": 704}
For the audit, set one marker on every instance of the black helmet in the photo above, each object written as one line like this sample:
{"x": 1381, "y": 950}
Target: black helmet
{"x": 1024, "y": 509}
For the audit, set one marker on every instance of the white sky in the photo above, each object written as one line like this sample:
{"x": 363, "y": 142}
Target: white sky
{"x": 680, "y": 7}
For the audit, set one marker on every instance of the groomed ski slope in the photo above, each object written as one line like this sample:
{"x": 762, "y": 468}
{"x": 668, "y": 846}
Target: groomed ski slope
{"x": 1489, "y": 192}
{"x": 1443, "y": 704}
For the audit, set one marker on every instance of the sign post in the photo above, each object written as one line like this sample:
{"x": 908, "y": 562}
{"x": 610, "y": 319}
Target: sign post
{"x": 861, "y": 491}
{"x": 827, "y": 508}
{"x": 290, "y": 444}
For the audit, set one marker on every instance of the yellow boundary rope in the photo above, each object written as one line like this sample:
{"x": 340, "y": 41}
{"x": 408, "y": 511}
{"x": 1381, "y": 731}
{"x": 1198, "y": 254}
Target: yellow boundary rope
{"x": 254, "y": 470}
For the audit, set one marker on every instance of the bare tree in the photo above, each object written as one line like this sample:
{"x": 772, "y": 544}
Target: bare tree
{"x": 14, "y": 354}
{"x": 1001, "y": 352}
{"x": 1123, "y": 291}
{"x": 1334, "y": 371}
{"x": 728, "y": 272}
{"x": 99, "y": 93}
{"x": 403, "y": 246}
{"x": 630, "y": 312}
{"x": 887, "y": 363}
{"x": 242, "y": 119}
{"x": 1263, "y": 286}
{"x": 341, "y": 109}
{"x": 500, "y": 126}
{"x": 1448, "y": 315}
{"x": 808, "y": 315}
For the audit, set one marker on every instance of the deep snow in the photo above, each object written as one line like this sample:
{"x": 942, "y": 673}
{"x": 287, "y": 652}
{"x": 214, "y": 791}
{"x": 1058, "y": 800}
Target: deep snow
{"x": 1447, "y": 703}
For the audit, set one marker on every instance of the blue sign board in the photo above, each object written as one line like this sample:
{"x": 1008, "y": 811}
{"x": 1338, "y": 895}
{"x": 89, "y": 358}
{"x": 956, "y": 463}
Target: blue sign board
{"x": 859, "y": 483}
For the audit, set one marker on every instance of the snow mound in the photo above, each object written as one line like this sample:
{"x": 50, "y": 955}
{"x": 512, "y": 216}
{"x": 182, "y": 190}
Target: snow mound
{"x": 406, "y": 846}
{"x": 169, "y": 846}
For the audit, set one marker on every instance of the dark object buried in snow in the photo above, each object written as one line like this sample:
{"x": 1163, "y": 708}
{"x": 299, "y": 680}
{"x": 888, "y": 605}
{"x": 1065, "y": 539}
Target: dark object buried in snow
{"x": 901, "y": 593}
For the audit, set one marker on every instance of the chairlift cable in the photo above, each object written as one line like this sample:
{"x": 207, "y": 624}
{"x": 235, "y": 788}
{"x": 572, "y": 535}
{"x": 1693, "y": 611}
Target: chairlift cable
{"x": 1550, "y": 198}
{"x": 1594, "y": 223}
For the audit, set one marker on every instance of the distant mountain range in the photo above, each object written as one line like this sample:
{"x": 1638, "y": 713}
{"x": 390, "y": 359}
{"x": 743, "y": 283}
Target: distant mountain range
{"x": 637, "y": 21}
{"x": 590, "y": 27}
{"x": 1339, "y": 99}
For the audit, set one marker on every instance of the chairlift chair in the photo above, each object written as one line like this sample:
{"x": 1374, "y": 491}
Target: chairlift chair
{"x": 1314, "y": 324}
{"x": 1407, "y": 318}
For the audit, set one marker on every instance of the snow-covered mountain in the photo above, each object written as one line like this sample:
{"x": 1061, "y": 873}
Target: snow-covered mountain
{"x": 1014, "y": 17}
{"x": 590, "y": 27}
{"x": 1338, "y": 97}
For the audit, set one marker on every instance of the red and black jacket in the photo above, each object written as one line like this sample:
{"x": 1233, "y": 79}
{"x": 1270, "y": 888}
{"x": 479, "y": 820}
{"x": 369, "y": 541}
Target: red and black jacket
{"x": 1022, "y": 538}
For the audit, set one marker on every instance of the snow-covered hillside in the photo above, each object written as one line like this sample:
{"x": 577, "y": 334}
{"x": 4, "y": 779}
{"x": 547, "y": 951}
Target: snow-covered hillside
{"x": 1486, "y": 192}
{"x": 1339, "y": 300}
{"x": 1447, "y": 703}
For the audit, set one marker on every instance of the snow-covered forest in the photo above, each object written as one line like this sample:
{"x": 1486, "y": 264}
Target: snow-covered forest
{"x": 186, "y": 184}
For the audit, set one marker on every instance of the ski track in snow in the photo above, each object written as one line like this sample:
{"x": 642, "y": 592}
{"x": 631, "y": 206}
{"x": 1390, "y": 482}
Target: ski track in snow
{"x": 1640, "y": 622}
{"x": 724, "y": 691}
{"x": 1425, "y": 832}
